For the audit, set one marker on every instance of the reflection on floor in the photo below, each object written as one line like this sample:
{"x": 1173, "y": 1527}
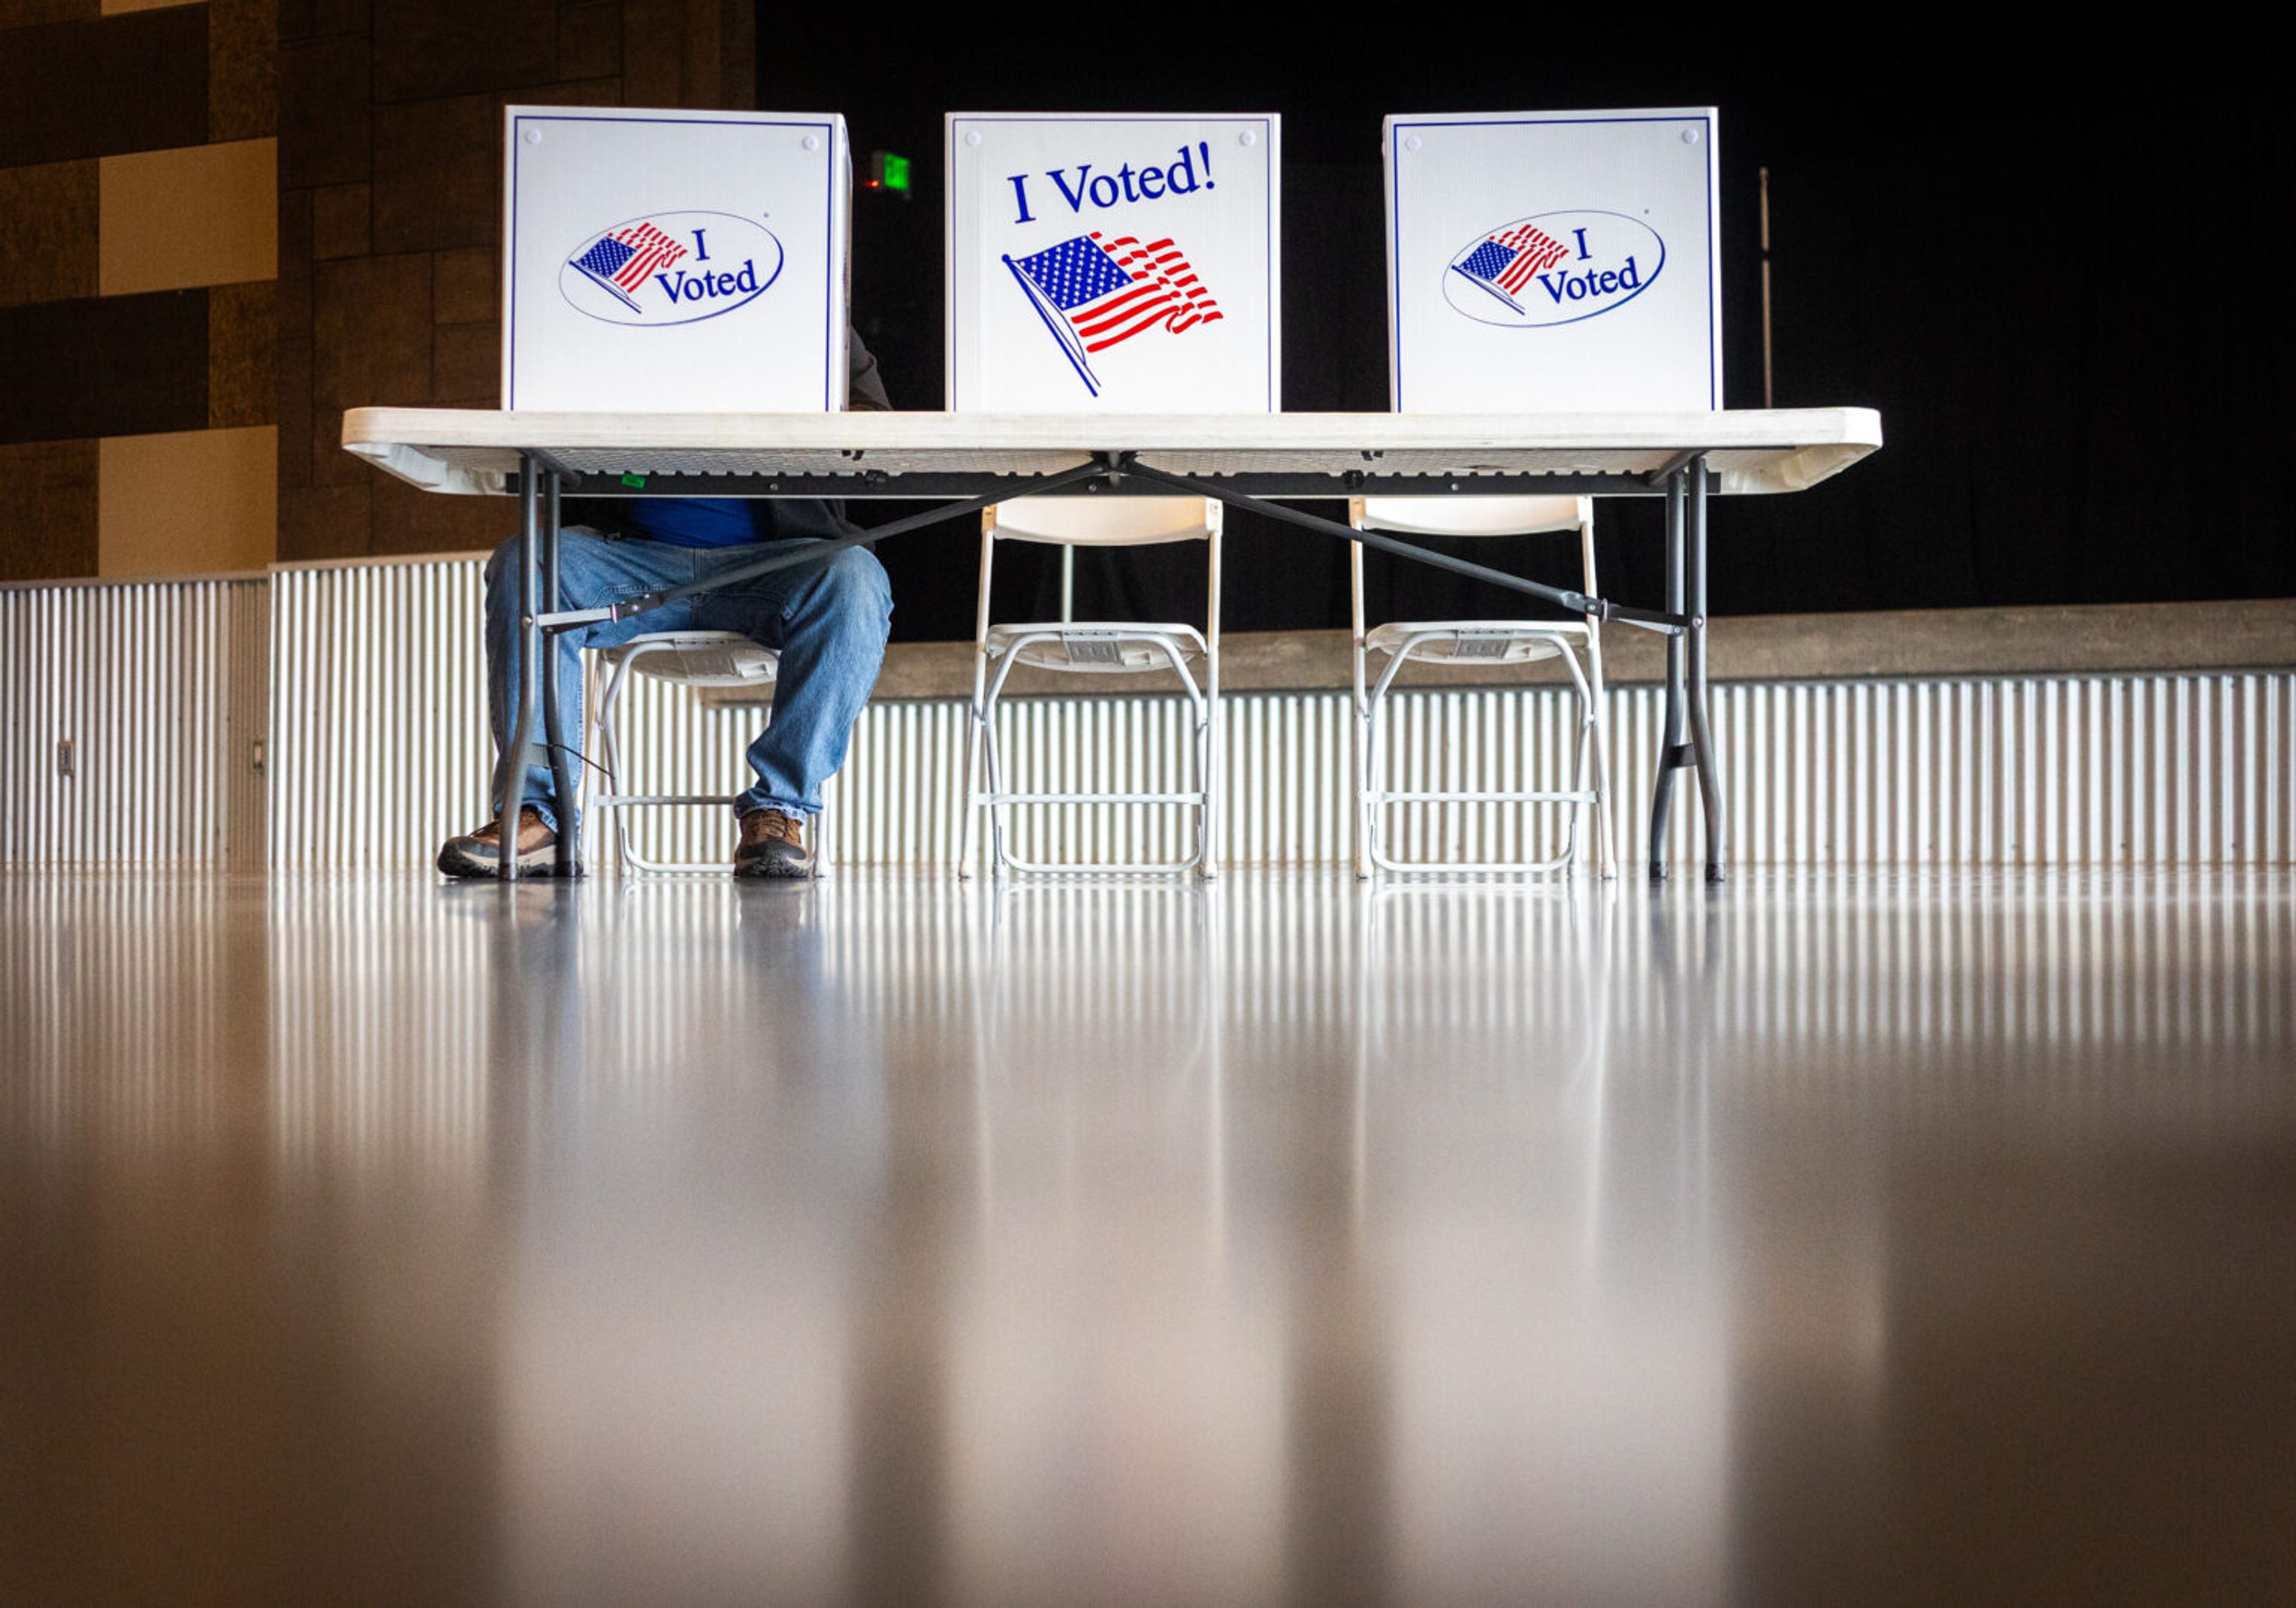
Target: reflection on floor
{"x": 1916, "y": 1238}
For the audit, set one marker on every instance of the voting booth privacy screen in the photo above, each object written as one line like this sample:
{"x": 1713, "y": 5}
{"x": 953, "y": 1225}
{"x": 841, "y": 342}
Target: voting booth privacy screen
{"x": 673, "y": 261}
{"x": 1543, "y": 262}
{"x": 1124, "y": 263}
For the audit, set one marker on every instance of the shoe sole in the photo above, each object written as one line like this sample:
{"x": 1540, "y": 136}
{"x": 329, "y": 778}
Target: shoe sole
{"x": 465, "y": 866}
{"x": 771, "y": 867}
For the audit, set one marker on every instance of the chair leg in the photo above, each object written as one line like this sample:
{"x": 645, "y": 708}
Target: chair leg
{"x": 1359, "y": 762}
{"x": 1604, "y": 851}
{"x": 1373, "y": 770}
{"x": 966, "y": 836}
{"x": 993, "y": 775}
{"x": 1209, "y": 772}
{"x": 609, "y": 755}
{"x": 1602, "y": 805}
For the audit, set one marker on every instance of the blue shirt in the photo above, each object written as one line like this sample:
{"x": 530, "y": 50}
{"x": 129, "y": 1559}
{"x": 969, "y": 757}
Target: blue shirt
{"x": 692, "y": 521}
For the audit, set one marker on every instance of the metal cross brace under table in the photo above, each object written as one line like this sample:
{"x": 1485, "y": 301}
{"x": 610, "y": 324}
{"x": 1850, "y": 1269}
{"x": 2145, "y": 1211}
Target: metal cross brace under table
{"x": 978, "y": 459}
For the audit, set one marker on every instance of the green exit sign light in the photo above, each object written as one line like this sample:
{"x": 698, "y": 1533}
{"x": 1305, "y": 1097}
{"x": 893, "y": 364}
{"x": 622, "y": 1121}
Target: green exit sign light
{"x": 888, "y": 172}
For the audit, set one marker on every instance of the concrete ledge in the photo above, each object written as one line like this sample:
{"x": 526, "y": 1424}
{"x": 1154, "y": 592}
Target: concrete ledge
{"x": 2077, "y": 640}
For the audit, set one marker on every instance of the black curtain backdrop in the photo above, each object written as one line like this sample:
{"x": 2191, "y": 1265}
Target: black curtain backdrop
{"x": 2067, "y": 293}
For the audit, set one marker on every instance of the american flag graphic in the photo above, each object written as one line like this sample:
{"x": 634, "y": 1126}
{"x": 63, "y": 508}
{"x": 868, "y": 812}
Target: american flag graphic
{"x": 1506, "y": 262}
{"x": 621, "y": 261}
{"x": 1092, "y": 292}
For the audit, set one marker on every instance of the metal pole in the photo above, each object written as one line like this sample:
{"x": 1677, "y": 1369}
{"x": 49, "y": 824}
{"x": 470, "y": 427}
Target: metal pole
{"x": 568, "y": 850}
{"x": 512, "y": 757}
{"x": 1669, "y": 756}
{"x": 1701, "y": 736}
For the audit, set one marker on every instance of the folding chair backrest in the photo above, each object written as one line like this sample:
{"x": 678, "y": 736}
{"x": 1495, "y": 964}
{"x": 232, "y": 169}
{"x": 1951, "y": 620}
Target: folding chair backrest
{"x": 1104, "y": 521}
{"x": 1461, "y": 516}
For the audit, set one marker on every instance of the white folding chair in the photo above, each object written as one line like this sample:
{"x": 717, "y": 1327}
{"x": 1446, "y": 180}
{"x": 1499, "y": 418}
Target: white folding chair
{"x": 1578, "y": 643}
{"x": 692, "y": 659}
{"x": 1096, "y": 648}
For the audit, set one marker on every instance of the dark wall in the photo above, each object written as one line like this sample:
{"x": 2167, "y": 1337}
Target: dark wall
{"x": 391, "y": 128}
{"x": 2064, "y": 292}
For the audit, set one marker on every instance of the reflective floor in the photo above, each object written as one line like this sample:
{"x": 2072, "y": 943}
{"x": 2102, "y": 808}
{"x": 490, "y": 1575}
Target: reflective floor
{"x": 1921, "y": 1238}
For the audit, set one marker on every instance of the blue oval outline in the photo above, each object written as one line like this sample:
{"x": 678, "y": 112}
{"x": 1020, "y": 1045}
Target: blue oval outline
{"x": 1558, "y": 323}
{"x": 781, "y": 261}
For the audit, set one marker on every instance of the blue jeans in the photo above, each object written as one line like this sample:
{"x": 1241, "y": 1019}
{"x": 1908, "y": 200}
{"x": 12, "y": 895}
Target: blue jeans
{"x": 828, "y": 622}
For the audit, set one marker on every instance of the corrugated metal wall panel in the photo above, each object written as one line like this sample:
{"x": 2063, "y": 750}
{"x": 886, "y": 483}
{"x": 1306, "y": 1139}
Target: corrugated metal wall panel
{"x": 379, "y": 745}
{"x": 378, "y": 750}
{"x": 160, "y": 688}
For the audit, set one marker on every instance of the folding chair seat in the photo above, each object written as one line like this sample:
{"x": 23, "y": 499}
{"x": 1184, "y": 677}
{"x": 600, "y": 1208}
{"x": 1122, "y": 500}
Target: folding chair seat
{"x": 1095, "y": 648}
{"x": 1577, "y": 643}
{"x": 692, "y": 659}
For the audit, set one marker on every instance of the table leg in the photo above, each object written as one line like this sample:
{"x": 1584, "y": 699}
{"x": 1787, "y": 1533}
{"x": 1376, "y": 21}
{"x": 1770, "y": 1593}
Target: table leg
{"x": 1701, "y": 736}
{"x": 561, "y": 755}
{"x": 1671, "y": 753}
{"x": 511, "y": 762}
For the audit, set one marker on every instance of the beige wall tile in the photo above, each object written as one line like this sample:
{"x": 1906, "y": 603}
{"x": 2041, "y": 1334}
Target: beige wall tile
{"x": 198, "y": 215}
{"x": 187, "y": 503}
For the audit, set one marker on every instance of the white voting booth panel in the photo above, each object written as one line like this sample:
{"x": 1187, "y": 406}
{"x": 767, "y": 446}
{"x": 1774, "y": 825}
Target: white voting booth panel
{"x": 1125, "y": 263}
{"x": 663, "y": 260}
{"x": 1554, "y": 261}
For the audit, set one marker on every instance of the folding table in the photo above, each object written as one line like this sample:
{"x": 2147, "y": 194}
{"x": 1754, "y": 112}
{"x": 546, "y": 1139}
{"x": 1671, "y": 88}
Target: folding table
{"x": 966, "y": 461}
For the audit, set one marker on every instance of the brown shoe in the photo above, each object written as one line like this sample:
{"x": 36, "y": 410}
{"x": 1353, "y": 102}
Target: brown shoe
{"x": 478, "y": 854}
{"x": 773, "y": 844}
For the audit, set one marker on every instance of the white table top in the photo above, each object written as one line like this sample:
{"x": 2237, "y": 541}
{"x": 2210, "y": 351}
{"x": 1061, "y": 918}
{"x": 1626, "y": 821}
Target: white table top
{"x": 471, "y": 451}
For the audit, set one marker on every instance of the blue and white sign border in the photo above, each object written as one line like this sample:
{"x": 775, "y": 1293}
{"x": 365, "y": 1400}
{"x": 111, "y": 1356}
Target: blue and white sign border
{"x": 1398, "y": 128}
{"x": 1267, "y": 129}
{"x": 831, "y": 133}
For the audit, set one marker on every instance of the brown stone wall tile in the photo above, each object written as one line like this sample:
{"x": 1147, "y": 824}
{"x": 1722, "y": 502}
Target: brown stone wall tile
{"x": 323, "y": 522}
{"x": 590, "y": 40}
{"x": 342, "y": 16}
{"x": 29, "y": 13}
{"x": 407, "y": 520}
{"x": 241, "y": 388}
{"x": 737, "y": 61}
{"x": 341, "y": 221}
{"x": 50, "y": 532}
{"x": 291, "y": 362}
{"x": 291, "y": 314}
{"x": 579, "y": 92}
{"x": 47, "y": 231}
{"x": 466, "y": 365}
{"x": 295, "y": 210}
{"x": 98, "y": 88}
{"x": 326, "y": 123}
{"x": 371, "y": 347}
{"x": 301, "y": 21}
{"x": 653, "y": 52}
{"x": 116, "y": 365}
{"x": 243, "y": 68}
{"x": 438, "y": 174}
{"x": 432, "y": 48}
{"x": 294, "y": 308}
{"x": 464, "y": 285}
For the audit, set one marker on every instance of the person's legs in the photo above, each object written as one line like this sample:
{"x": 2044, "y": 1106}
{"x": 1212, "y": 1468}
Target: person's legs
{"x": 828, "y": 622}
{"x": 593, "y": 571}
